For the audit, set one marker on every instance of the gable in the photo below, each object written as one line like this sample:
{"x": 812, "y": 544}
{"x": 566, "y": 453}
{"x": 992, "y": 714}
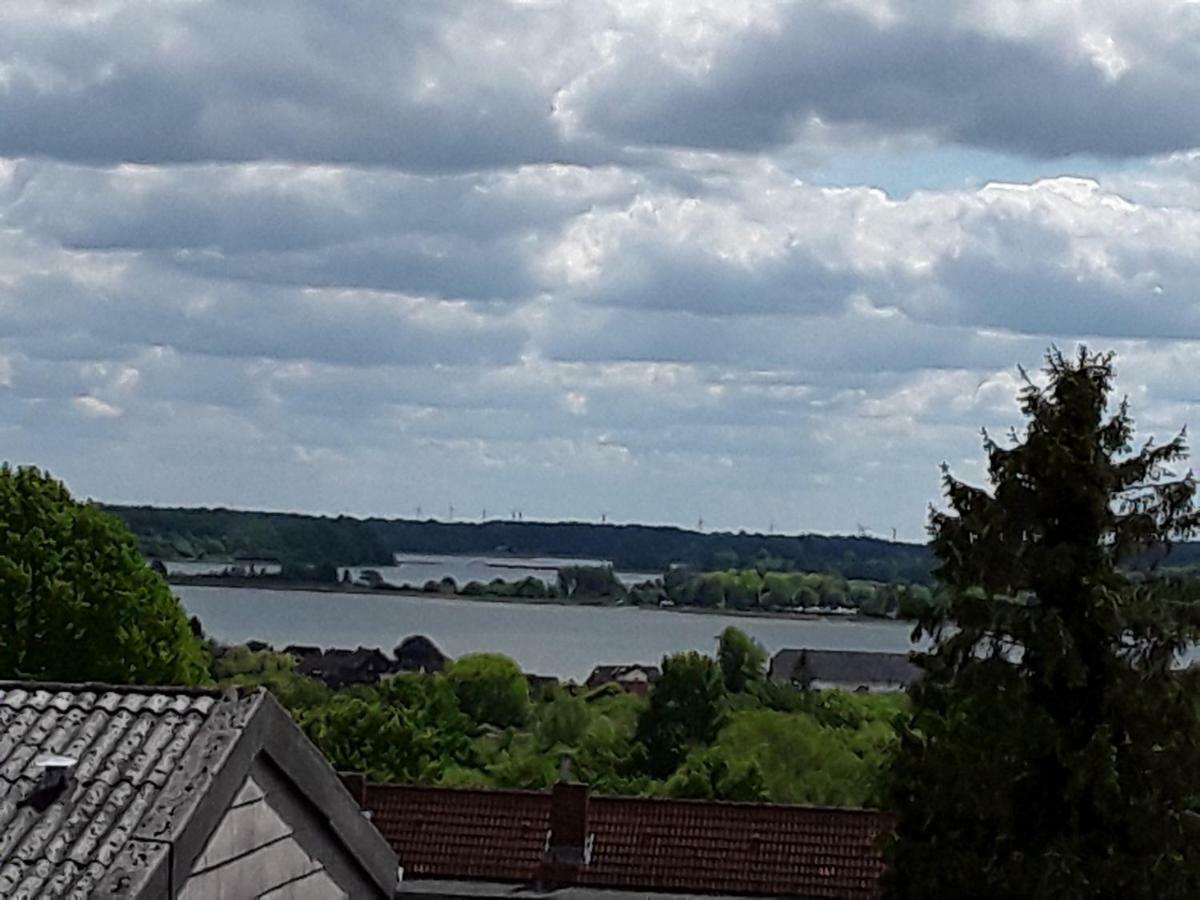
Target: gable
{"x": 266, "y": 846}
{"x": 164, "y": 785}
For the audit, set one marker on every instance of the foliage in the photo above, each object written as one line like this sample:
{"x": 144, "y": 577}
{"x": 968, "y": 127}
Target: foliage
{"x": 238, "y": 661}
{"x": 227, "y": 534}
{"x": 743, "y": 661}
{"x": 490, "y": 689}
{"x": 1054, "y": 749}
{"x": 802, "y": 760}
{"x": 407, "y": 729}
{"x": 770, "y": 742}
{"x": 591, "y": 582}
{"x": 686, "y": 709}
{"x": 222, "y": 533}
{"x": 713, "y": 774}
{"x": 77, "y": 601}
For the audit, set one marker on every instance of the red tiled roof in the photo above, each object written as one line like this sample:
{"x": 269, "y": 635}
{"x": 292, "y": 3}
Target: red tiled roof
{"x": 641, "y": 844}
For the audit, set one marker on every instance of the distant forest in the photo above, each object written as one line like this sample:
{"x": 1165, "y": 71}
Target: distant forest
{"x": 300, "y": 541}
{"x": 176, "y": 533}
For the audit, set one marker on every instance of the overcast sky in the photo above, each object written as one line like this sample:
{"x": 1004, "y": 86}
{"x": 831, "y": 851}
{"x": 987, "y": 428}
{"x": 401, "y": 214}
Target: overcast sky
{"x": 762, "y": 262}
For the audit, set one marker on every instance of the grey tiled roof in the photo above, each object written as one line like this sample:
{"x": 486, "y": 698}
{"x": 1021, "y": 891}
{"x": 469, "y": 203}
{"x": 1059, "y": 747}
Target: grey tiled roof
{"x": 129, "y": 743}
{"x": 844, "y": 667}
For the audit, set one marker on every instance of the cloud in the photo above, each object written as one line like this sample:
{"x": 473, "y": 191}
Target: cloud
{"x": 566, "y": 259}
{"x": 1041, "y": 78}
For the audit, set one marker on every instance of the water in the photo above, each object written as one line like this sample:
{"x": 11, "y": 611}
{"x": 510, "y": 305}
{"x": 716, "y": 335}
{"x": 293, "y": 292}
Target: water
{"x": 566, "y": 641}
{"x": 416, "y": 569}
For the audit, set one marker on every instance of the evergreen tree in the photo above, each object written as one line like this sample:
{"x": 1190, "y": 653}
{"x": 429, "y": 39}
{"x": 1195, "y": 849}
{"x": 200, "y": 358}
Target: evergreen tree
{"x": 1054, "y": 749}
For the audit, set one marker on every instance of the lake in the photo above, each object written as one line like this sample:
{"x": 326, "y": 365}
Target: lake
{"x": 547, "y": 639}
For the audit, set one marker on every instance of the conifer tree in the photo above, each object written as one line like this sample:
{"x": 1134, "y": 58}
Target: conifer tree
{"x": 1054, "y": 749}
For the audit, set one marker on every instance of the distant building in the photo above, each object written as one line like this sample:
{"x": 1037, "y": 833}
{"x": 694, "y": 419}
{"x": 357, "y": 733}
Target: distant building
{"x": 339, "y": 668}
{"x": 566, "y": 843}
{"x": 633, "y": 679}
{"x": 846, "y": 670}
{"x": 418, "y": 653}
{"x": 302, "y": 651}
{"x": 539, "y": 683}
{"x": 150, "y": 793}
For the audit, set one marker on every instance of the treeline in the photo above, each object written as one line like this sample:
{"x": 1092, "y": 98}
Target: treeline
{"x": 207, "y": 533}
{"x": 751, "y": 589}
{"x": 743, "y": 590}
{"x": 308, "y": 546}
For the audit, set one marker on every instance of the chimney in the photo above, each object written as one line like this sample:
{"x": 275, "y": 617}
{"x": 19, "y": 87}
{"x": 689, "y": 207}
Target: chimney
{"x": 56, "y": 770}
{"x": 568, "y": 843}
{"x": 56, "y": 775}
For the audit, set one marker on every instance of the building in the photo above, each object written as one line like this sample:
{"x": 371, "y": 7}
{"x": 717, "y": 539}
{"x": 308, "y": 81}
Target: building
{"x": 846, "y": 670}
{"x": 498, "y": 843}
{"x": 339, "y": 668}
{"x": 124, "y": 792}
{"x": 417, "y": 653}
{"x": 633, "y": 679}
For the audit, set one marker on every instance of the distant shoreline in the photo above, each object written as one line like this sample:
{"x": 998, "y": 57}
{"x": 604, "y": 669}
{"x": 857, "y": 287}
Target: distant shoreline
{"x": 268, "y": 583}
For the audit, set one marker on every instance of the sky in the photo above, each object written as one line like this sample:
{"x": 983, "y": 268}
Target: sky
{"x": 765, "y": 264}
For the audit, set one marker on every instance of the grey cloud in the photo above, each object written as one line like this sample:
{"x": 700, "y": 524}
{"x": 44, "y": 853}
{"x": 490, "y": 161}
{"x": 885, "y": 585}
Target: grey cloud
{"x": 414, "y": 86}
{"x": 924, "y": 71}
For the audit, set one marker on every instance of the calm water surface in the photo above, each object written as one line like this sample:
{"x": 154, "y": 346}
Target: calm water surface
{"x": 564, "y": 641}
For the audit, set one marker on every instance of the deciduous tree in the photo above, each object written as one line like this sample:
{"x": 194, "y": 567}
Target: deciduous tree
{"x": 77, "y": 601}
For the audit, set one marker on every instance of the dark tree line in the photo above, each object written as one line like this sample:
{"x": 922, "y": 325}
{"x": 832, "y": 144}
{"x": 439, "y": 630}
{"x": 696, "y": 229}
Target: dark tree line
{"x": 194, "y": 533}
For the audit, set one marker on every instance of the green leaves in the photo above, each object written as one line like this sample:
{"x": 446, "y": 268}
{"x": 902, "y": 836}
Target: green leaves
{"x": 1054, "y": 748}
{"x": 77, "y": 601}
{"x": 490, "y": 688}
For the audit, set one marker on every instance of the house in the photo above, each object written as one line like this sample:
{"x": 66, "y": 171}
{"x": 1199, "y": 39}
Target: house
{"x": 847, "y": 670}
{"x": 538, "y": 684}
{"x": 417, "y": 653}
{"x": 338, "y": 667}
{"x": 633, "y": 679}
{"x": 303, "y": 651}
{"x": 454, "y": 842}
{"x": 125, "y": 792}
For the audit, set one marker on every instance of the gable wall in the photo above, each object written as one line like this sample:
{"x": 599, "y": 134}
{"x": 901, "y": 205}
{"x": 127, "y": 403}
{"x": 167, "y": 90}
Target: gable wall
{"x": 269, "y": 844}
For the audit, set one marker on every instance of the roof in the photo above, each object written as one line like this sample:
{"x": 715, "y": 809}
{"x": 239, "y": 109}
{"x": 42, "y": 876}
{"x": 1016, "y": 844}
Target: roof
{"x": 607, "y": 674}
{"x": 844, "y": 667}
{"x": 643, "y": 844}
{"x": 156, "y": 769}
{"x": 339, "y": 666}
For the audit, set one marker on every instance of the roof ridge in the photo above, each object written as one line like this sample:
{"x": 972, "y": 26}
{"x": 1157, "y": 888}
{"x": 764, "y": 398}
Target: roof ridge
{"x": 75, "y": 687}
{"x": 633, "y": 798}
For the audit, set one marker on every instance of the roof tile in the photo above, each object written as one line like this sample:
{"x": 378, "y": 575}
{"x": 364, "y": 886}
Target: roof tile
{"x": 638, "y": 843}
{"x": 128, "y": 742}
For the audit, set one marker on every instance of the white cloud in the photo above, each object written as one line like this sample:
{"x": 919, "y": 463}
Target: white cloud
{"x": 563, "y": 259}
{"x": 95, "y": 408}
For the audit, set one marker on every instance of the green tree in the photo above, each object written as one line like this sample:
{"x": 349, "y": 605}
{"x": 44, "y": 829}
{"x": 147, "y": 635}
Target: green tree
{"x": 491, "y": 689}
{"x": 915, "y": 601}
{"x": 563, "y": 719}
{"x": 407, "y": 729}
{"x": 742, "y": 659}
{"x": 1055, "y": 746}
{"x": 686, "y": 709}
{"x": 77, "y": 601}
{"x": 589, "y": 582}
{"x": 714, "y": 775}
